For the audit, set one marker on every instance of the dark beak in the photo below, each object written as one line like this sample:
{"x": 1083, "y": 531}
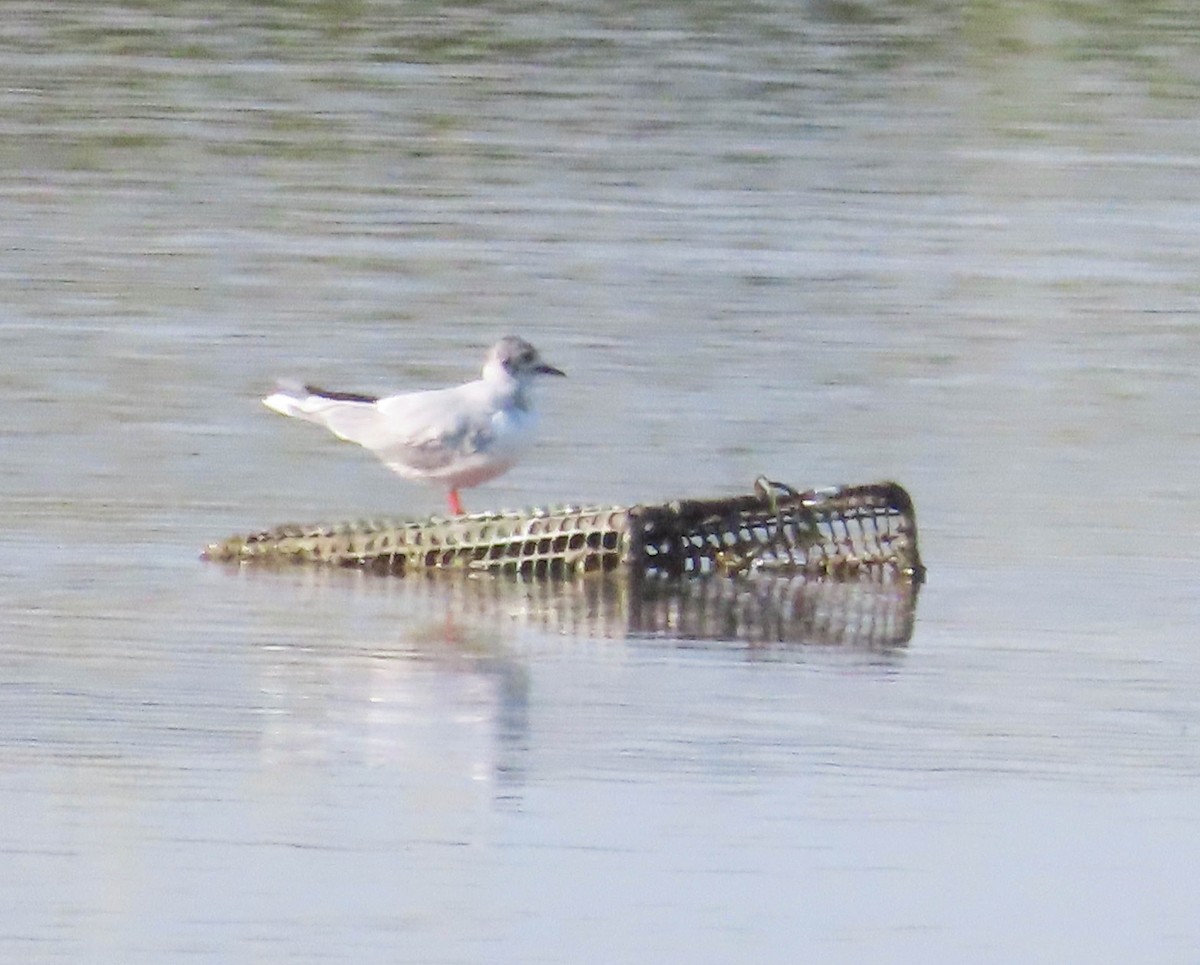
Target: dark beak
{"x": 544, "y": 369}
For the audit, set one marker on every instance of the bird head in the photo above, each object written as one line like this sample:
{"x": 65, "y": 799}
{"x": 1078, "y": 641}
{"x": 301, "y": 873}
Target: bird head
{"x": 517, "y": 359}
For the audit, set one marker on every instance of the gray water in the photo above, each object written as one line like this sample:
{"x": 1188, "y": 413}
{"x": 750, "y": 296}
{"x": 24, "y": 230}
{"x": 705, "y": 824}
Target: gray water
{"x": 953, "y": 245}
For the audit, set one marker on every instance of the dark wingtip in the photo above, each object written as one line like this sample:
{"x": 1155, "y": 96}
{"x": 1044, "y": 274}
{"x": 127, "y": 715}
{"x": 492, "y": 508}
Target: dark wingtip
{"x": 340, "y": 396}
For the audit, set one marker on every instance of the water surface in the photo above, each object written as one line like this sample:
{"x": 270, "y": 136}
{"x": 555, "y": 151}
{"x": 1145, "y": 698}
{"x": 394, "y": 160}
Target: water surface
{"x": 825, "y": 242}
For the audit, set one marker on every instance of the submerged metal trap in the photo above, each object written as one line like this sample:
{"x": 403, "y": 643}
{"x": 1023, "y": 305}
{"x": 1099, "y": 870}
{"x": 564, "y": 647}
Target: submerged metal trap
{"x": 838, "y": 532}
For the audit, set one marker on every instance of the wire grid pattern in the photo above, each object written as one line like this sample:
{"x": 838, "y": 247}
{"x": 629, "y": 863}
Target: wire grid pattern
{"x": 842, "y": 531}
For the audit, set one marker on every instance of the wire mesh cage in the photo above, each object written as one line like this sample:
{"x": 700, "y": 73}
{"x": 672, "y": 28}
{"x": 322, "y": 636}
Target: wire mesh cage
{"x": 837, "y": 532}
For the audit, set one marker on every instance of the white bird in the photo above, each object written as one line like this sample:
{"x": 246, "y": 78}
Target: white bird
{"x": 456, "y": 437}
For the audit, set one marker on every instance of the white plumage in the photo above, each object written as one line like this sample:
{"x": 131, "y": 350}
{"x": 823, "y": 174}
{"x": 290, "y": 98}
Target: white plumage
{"x": 457, "y": 437}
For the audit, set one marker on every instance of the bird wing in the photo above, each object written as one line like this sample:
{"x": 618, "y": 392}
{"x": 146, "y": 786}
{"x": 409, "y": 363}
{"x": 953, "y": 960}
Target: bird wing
{"x": 427, "y": 431}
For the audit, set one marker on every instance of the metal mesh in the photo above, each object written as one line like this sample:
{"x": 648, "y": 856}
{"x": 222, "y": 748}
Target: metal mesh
{"x": 841, "y": 532}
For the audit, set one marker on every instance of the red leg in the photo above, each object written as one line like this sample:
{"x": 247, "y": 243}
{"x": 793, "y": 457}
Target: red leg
{"x": 456, "y": 507}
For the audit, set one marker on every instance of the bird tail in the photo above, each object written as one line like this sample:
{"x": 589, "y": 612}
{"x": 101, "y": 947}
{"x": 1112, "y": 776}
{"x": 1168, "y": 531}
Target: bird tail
{"x": 292, "y": 399}
{"x": 347, "y": 415}
{"x": 311, "y": 403}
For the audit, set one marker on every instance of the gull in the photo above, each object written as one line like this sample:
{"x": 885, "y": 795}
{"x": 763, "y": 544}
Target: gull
{"x": 456, "y": 437}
